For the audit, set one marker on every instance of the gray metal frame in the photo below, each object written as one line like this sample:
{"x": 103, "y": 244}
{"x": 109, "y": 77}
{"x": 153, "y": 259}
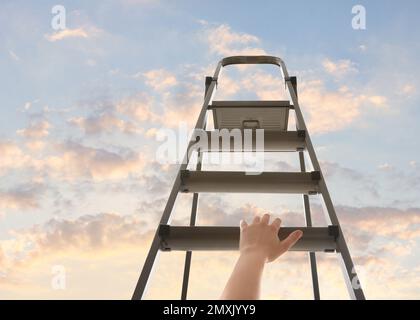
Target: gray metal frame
{"x": 331, "y": 216}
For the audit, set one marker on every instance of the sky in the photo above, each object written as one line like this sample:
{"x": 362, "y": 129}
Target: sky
{"x": 82, "y": 187}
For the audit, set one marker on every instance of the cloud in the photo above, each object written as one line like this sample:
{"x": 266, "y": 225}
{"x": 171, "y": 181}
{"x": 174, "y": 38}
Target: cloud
{"x": 36, "y": 130}
{"x": 223, "y": 41}
{"x": 385, "y": 167}
{"x": 27, "y": 105}
{"x": 408, "y": 89}
{"x": 385, "y": 222}
{"x": 140, "y": 107}
{"x": 13, "y": 55}
{"x": 182, "y": 107}
{"x": 88, "y": 234}
{"x": 139, "y": 2}
{"x": 89, "y": 231}
{"x": 24, "y": 197}
{"x": 332, "y": 110}
{"x": 35, "y": 145}
{"x": 264, "y": 85}
{"x": 11, "y": 156}
{"x": 227, "y": 87}
{"x": 71, "y": 33}
{"x": 78, "y": 161}
{"x": 85, "y": 244}
{"x": 327, "y": 109}
{"x": 333, "y": 168}
{"x": 104, "y": 123}
{"x": 159, "y": 79}
{"x": 378, "y": 101}
{"x": 354, "y": 182}
{"x": 339, "y": 68}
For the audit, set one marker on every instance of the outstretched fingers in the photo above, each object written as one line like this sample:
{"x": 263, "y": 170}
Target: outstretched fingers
{"x": 265, "y": 219}
{"x": 276, "y": 224}
{"x": 257, "y": 219}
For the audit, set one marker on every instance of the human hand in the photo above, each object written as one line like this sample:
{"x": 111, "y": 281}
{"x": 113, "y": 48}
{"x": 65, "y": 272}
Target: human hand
{"x": 261, "y": 238}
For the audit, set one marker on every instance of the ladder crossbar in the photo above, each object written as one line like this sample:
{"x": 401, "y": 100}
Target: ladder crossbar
{"x": 240, "y": 182}
{"x": 274, "y": 141}
{"x": 212, "y": 238}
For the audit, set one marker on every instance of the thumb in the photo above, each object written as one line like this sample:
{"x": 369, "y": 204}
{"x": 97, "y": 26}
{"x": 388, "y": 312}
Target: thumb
{"x": 291, "y": 239}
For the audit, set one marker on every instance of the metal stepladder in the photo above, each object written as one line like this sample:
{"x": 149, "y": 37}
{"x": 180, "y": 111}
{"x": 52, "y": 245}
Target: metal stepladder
{"x": 272, "y": 116}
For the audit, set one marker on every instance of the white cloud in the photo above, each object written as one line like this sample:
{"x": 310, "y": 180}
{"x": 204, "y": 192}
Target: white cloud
{"x": 104, "y": 123}
{"x": 20, "y": 198}
{"x": 223, "y": 41}
{"x": 159, "y": 79}
{"x": 83, "y": 245}
{"x": 378, "y": 101}
{"x": 72, "y": 33}
{"x": 333, "y": 110}
{"x": 385, "y": 167}
{"x": 35, "y": 145}
{"x": 76, "y": 161}
{"x": 408, "y": 89}
{"x": 393, "y": 223}
{"x": 13, "y": 55}
{"x": 11, "y": 157}
{"x": 140, "y": 107}
{"x": 35, "y": 130}
{"x": 339, "y": 68}
{"x": 265, "y": 86}
{"x": 328, "y": 110}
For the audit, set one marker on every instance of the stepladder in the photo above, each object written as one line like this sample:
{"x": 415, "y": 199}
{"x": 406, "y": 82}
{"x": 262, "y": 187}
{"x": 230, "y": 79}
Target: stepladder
{"x": 252, "y": 122}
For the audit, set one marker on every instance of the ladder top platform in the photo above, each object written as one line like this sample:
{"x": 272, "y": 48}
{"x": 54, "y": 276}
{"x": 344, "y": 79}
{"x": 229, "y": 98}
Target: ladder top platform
{"x": 268, "y": 115}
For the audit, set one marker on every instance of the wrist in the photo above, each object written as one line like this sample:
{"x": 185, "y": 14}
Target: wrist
{"x": 255, "y": 255}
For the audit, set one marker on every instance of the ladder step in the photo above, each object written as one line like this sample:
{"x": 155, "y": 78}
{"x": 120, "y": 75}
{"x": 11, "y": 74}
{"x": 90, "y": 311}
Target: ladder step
{"x": 274, "y": 141}
{"x": 209, "y": 238}
{"x": 270, "y": 115}
{"x": 251, "y": 104}
{"x": 239, "y": 182}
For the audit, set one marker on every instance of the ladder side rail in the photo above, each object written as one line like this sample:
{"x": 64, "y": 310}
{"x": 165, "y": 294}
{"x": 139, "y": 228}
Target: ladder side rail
{"x": 193, "y": 216}
{"x": 154, "y": 248}
{"x": 307, "y": 212}
{"x": 355, "y": 291}
{"x": 308, "y": 220}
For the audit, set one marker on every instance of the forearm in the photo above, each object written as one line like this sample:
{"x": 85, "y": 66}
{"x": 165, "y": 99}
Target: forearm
{"x": 245, "y": 280}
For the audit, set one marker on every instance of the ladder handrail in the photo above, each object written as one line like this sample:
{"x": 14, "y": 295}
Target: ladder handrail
{"x": 251, "y": 60}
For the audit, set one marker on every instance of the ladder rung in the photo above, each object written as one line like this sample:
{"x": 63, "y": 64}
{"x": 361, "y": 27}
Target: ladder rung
{"x": 274, "y": 140}
{"x": 239, "y": 182}
{"x": 251, "y": 104}
{"x": 227, "y": 238}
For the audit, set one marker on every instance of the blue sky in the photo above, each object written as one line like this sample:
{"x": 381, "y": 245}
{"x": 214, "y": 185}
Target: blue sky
{"x": 80, "y": 111}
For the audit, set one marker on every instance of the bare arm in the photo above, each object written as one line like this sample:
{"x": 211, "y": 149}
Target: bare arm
{"x": 259, "y": 243}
